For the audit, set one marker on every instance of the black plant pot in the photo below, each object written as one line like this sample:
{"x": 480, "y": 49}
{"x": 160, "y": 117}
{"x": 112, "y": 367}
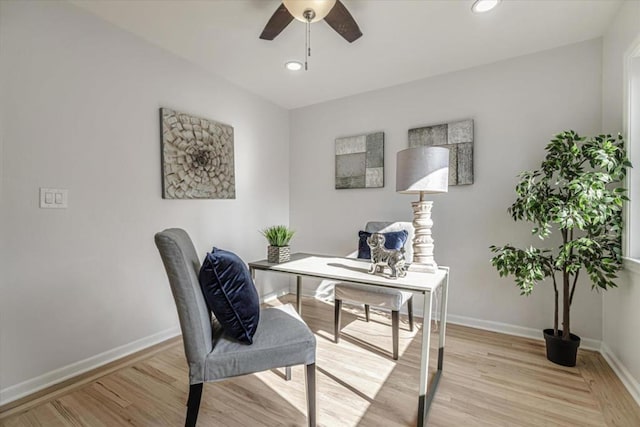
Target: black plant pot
{"x": 559, "y": 351}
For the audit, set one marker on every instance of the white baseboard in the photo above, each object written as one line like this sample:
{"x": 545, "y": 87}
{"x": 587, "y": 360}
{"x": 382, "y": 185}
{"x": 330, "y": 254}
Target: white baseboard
{"x": 520, "y": 331}
{"x": 632, "y": 385}
{"x": 505, "y": 328}
{"x": 25, "y": 388}
{"x": 33, "y": 385}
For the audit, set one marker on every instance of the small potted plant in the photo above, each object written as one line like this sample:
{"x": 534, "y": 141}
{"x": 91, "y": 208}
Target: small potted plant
{"x": 278, "y": 237}
{"x": 577, "y": 193}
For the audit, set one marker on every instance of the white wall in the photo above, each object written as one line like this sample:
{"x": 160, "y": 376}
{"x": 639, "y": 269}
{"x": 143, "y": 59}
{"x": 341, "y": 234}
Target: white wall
{"x": 80, "y": 103}
{"x": 79, "y": 111}
{"x": 621, "y": 314}
{"x": 517, "y": 106}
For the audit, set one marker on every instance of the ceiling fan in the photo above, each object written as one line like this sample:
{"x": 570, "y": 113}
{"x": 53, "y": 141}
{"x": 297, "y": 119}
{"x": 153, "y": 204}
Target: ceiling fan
{"x": 309, "y": 11}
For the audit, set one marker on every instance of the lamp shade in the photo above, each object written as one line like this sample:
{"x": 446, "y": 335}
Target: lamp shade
{"x": 422, "y": 169}
{"x": 297, "y": 7}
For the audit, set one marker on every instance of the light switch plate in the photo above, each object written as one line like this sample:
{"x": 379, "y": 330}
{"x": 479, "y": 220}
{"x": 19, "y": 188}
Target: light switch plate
{"x": 54, "y": 198}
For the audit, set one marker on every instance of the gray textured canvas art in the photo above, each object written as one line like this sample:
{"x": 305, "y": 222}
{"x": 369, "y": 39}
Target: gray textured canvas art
{"x": 197, "y": 157}
{"x": 360, "y": 161}
{"x": 458, "y": 138}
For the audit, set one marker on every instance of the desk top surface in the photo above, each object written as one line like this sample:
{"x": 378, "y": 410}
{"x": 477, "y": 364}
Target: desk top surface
{"x": 351, "y": 270}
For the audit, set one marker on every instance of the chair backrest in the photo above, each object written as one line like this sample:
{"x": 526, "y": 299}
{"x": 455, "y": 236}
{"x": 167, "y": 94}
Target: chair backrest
{"x": 387, "y": 226}
{"x": 181, "y": 262}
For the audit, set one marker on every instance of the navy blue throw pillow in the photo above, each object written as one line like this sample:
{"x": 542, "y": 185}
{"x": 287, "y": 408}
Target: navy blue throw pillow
{"x": 230, "y": 294}
{"x": 393, "y": 240}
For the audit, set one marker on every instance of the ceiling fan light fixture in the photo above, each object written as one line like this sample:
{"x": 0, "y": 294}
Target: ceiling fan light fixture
{"x": 293, "y": 65}
{"x": 481, "y": 6}
{"x": 297, "y": 8}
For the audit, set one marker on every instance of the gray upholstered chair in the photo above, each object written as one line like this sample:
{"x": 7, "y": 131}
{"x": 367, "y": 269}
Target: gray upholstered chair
{"x": 282, "y": 338}
{"x": 389, "y": 299}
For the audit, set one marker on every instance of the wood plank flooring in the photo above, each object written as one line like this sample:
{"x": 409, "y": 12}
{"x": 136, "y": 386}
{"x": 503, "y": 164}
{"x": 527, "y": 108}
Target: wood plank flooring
{"x": 489, "y": 379}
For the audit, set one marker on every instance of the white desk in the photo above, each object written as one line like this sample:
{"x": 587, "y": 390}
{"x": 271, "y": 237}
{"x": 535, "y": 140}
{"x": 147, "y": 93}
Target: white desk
{"x": 356, "y": 271}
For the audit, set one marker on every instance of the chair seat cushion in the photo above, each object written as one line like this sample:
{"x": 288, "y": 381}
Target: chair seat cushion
{"x": 391, "y": 299}
{"x": 393, "y": 240}
{"x": 230, "y": 294}
{"x": 282, "y": 339}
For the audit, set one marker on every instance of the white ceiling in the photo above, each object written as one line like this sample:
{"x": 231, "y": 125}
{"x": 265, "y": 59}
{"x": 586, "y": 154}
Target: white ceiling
{"x": 403, "y": 40}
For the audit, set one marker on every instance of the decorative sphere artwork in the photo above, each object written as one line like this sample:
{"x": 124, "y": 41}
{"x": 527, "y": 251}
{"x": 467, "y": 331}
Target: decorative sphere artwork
{"x": 197, "y": 157}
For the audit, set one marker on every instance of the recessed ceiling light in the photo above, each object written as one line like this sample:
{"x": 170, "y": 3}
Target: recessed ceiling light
{"x": 293, "y": 65}
{"x": 481, "y": 6}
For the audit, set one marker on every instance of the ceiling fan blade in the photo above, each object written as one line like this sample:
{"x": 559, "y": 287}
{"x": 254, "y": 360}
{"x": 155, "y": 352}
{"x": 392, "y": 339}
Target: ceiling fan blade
{"x": 341, "y": 20}
{"x": 278, "y": 22}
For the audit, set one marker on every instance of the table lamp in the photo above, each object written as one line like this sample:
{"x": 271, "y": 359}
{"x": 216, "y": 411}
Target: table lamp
{"x": 422, "y": 170}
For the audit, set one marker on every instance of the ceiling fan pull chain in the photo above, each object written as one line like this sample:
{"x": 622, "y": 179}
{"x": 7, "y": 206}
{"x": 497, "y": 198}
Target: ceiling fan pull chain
{"x": 307, "y": 47}
{"x": 309, "y": 35}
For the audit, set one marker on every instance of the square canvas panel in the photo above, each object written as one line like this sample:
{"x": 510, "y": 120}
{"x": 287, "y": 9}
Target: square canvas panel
{"x": 458, "y": 138}
{"x": 360, "y": 161}
{"x": 197, "y": 157}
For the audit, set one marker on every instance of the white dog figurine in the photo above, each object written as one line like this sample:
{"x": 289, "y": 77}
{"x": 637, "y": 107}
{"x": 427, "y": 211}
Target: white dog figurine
{"x": 381, "y": 257}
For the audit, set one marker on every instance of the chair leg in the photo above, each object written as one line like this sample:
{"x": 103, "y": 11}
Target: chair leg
{"x": 193, "y": 404}
{"x": 410, "y": 310}
{"x": 311, "y": 394}
{"x": 337, "y": 315}
{"x": 395, "y": 329}
{"x": 287, "y": 373}
{"x": 366, "y": 312}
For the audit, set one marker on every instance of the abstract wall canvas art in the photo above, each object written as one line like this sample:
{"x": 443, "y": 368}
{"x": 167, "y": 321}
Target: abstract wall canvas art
{"x": 360, "y": 161}
{"x": 458, "y": 138}
{"x": 197, "y": 157}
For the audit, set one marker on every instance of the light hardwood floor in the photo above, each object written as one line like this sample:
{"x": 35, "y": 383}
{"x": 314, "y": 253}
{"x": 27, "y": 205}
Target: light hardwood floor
{"x": 489, "y": 379}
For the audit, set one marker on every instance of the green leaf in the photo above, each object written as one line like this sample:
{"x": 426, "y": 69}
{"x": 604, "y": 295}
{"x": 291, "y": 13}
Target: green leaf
{"x": 278, "y": 235}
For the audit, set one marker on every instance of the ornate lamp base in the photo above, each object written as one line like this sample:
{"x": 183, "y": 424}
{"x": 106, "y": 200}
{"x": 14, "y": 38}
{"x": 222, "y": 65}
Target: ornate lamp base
{"x": 422, "y": 241}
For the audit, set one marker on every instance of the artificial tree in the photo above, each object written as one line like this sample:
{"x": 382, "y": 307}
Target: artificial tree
{"x": 578, "y": 193}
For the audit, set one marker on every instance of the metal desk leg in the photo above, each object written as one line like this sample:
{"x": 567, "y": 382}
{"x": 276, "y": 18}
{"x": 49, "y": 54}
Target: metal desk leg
{"x": 443, "y": 320}
{"x": 424, "y": 401}
{"x": 252, "y": 271}
{"x": 299, "y": 294}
